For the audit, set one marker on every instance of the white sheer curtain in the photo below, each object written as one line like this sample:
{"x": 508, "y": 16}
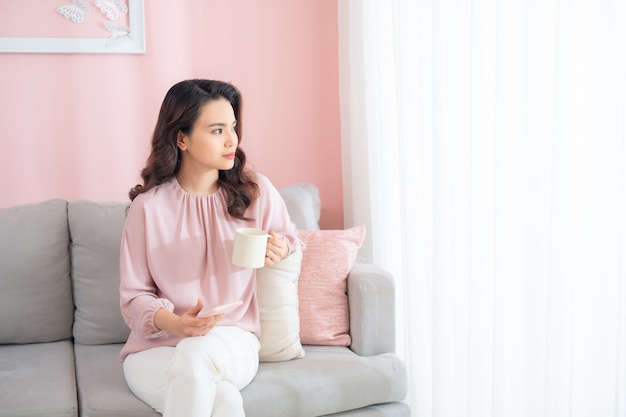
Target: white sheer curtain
{"x": 485, "y": 150}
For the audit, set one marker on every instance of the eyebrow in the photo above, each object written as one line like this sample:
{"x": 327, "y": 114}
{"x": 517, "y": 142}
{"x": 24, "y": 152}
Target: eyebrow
{"x": 220, "y": 124}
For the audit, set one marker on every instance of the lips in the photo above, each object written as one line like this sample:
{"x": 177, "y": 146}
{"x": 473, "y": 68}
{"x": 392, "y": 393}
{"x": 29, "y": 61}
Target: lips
{"x": 230, "y": 155}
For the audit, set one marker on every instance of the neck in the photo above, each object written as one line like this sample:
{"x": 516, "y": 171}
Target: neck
{"x": 198, "y": 183}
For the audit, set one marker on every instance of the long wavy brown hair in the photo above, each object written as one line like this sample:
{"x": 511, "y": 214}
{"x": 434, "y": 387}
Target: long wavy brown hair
{"x": 179, "y": 111}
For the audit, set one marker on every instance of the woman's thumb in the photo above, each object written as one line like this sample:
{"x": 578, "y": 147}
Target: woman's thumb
{"x": 197, "y": 308}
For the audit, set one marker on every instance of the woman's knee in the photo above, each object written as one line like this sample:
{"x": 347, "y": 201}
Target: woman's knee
{"x": 192, "y": 360}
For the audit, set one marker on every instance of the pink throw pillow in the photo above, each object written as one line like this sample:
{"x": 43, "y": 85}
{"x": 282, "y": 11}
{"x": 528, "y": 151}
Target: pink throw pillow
{"x": 328, "y": 258}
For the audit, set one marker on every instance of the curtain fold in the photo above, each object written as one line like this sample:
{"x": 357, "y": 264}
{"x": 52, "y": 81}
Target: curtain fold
{"x": 484, "y": 148}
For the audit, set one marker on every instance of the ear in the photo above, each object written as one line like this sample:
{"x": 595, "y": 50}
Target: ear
{"x": 181, "y": 141}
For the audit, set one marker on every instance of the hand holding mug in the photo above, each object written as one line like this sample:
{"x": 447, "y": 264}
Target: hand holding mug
{"x": 255, "y": 248}
{"x": 277, "y": 249}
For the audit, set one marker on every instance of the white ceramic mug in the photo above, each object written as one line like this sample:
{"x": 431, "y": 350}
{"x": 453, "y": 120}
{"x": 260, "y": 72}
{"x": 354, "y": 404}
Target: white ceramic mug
{"x": 250, "y": 247}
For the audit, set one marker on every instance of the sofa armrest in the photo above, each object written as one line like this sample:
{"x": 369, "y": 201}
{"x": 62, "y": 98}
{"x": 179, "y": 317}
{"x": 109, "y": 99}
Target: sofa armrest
{"x": 372, "y": 309}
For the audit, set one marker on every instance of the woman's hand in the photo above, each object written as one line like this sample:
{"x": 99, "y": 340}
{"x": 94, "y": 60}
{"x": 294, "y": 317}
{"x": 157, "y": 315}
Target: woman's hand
{"x": 188, "y": 324}
{"x": 277, "y": 249}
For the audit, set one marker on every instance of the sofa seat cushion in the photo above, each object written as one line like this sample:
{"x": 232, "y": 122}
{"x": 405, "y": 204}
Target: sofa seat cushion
{"x": 102, "y": 389}
{"x": 38, "y": 380}
{"x": 329, "y": 379}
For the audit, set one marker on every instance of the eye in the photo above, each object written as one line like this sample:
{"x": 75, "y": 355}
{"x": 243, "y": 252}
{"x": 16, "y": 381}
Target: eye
{"x": 218, "y": 131}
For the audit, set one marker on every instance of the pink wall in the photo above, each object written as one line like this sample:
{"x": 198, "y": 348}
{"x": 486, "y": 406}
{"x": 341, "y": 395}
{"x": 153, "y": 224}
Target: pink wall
{"x": 78, "y": 125}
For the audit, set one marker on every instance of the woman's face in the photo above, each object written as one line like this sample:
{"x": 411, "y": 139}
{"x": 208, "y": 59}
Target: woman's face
{"x": 212, "y": 141}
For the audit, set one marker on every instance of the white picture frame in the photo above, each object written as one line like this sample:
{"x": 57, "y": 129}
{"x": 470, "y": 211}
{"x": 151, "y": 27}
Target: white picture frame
{"x": 133, "y": 44}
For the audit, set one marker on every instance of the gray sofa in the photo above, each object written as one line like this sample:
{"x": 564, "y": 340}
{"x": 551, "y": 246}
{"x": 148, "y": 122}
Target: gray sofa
{"x": 61, "y": 330}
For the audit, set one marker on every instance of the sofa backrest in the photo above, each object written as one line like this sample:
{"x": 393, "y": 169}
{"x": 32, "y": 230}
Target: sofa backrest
{"x": 303, "y": 204}
{"x": 35, "y": 288}
{"x": 95, "y": 234}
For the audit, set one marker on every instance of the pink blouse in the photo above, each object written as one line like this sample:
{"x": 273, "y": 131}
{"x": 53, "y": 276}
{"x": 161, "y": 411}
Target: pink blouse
{"x": 177, "y": 247}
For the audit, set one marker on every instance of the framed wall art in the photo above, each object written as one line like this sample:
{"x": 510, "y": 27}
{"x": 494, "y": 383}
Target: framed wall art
{"x": 72, "y": 26}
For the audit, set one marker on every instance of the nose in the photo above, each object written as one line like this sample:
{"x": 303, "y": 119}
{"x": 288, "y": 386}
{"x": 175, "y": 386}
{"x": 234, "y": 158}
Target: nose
{"x": 232, "y": 139}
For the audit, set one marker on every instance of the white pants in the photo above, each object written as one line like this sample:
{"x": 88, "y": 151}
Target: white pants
{"x": 200, "y": 377}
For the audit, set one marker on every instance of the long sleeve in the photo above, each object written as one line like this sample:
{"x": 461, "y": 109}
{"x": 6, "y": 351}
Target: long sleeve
{"x": 138, "y": 294}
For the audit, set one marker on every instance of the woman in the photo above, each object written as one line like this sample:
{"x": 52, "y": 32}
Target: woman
{"x": 175, "y": 257}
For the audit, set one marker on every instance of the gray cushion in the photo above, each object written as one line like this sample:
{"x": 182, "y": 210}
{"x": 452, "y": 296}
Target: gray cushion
{"x": 35, "y": 288}
{"x": 102, "y": 389}
{"x": 303, "y": 204}
{"x": 38, "y": 380}
{"x": 329, "y": 379}
{"x": 96, "y": 232}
